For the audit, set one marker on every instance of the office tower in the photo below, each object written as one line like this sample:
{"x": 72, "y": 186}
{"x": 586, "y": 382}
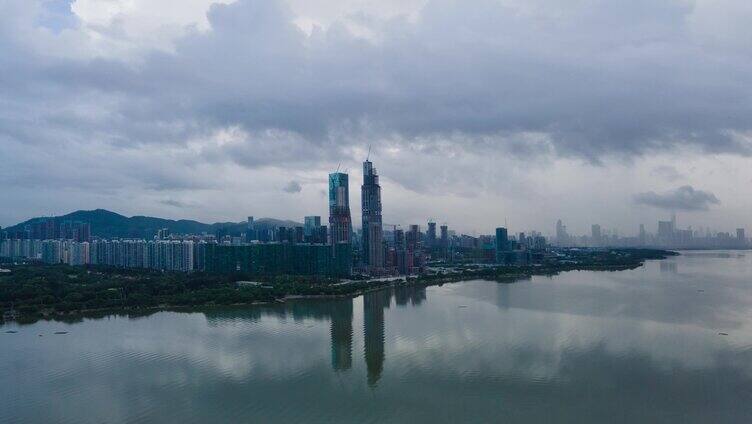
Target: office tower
{"x": 444, "y": 237}
{"x": 642, "y": 235}
{"x": 373, "y": 251}
{"x": 431, "y": 235}
{"x": 522, "y": 240}
{"x": 412, "y": 237}
{"x": 399, "y": 253}
{"x": 595, "y": 233}
{"x": 502, "y": 239}
{"x": 673, "y": 221}
{"x": 741, "y": 238}
{"x": 321, "y": 235}
{"x": 666, "y": 230}
{"x": 399, "y": 239}
{"x": 562, "y": 238}
{"x": 311, "y": 225}
{"x": 340, "y": 224}
{"x": 250, "y": 231}
{"x": 502, "y": 244}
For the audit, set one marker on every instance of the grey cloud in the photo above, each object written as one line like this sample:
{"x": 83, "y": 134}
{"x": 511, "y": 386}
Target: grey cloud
{"x": 533, "y": 80}
{"x": 293, "y": 187}
{"x": 684, "y": 198}
{"x": 608, "y": 79}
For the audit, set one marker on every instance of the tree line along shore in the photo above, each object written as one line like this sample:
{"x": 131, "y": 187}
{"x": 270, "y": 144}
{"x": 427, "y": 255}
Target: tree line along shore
{"x": 31, "y": 292}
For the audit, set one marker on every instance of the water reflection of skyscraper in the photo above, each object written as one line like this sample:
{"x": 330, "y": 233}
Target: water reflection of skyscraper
{"x": 373, "y": 324}
{"x": 669, "y": 267}
{"x": 342, "y": 334}
{"x": 340, "y": 314}
{"x": 373, "y": 332}
{"x": 414, "y": 295}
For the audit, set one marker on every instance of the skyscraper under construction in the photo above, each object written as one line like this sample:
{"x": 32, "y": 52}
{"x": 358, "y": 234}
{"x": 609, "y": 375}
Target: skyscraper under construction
{"x": 340, "y": 223}
{"x": 373, "y": 251}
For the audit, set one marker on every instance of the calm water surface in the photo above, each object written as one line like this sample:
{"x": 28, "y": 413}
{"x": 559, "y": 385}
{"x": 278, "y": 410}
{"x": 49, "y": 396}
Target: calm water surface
{"x": 631, "y": 346}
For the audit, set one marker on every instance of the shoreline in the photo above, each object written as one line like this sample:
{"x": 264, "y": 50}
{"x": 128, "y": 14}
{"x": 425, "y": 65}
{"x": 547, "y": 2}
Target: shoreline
{"x": 505, "y": 275}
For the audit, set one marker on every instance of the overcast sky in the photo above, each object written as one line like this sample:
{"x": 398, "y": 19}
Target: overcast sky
{"x": 478, "y": 111}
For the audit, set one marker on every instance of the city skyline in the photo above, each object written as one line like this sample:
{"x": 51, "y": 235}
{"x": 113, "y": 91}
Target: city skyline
{"x": 309, "y": 222}
{"x": 148, "y": 110}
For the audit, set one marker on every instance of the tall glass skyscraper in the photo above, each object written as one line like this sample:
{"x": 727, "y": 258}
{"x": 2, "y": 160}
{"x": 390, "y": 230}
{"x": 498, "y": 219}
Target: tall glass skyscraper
{"x": 340, "y": 223}
{"x": 373, "y": 251}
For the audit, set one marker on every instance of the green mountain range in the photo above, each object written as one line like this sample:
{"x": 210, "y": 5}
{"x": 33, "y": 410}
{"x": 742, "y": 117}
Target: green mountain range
{"x": 107, "y": 224}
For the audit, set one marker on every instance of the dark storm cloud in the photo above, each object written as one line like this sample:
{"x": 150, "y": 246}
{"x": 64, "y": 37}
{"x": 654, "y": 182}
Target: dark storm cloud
{"x": 684, "y": 198}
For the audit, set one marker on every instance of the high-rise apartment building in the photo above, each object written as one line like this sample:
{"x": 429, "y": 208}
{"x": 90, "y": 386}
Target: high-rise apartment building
{"x": 373, "y": 250}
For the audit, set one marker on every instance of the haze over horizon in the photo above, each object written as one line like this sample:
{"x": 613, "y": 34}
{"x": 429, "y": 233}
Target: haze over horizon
{"x": 592, "y": 111}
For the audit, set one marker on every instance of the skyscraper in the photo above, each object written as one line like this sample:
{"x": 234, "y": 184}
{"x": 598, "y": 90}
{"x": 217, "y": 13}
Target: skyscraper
{"x": 642, "y": 237}
{"x": 431, "y": 235}
{"x": 373, "y": 256}
{"x": 502, "y": 244}
{"x": 666, "y": 230}
{"x": 250, "y": 231}
{"x": 595, "y": 234}
{"x": 413, "y": 237}
{"x": 562, "y": 238}
{"x": 340, "y": 223}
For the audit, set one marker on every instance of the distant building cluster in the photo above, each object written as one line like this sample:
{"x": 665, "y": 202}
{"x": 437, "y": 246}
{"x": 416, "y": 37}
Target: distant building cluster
{"x": 667, "y": 236}
{"x": 51, "y": 229}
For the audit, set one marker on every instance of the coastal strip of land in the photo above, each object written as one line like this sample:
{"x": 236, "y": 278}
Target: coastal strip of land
{"x": 32, "y": 292}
